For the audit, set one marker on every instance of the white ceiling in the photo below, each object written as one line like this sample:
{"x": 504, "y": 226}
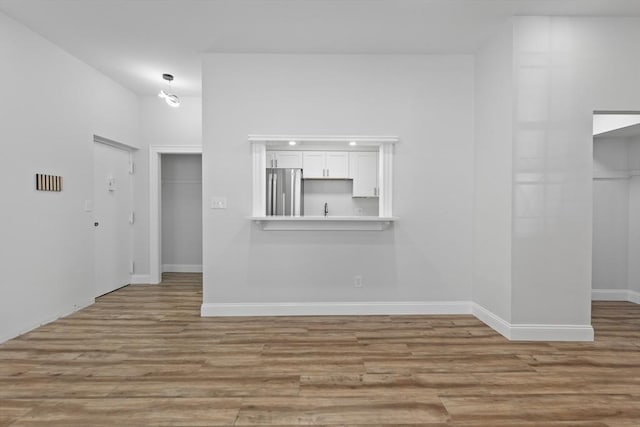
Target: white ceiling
{"x": 135, "y": 41}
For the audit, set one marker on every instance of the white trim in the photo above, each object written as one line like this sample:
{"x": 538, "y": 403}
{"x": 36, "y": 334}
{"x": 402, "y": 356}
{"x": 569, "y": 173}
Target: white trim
{"x": 182, "y": 268}
{"x": 385, "y": 181}
{"x": 621, "y": 174}
{"x": 330, "y": 223}
{"x": 34, "y": 325}
{"x": 334, "y": 308}
{"x": 106, "y": 141}
{"x": 492, "y": 320}
{"x": 259, "y": 158}
{"x": 609, "y": 295}
{"x": 615, "y": 295}
{"x": 140, "y": 279}
{"x": 155, "y": 218}
{"x": 532, "y": 332}
{"x": 385, "y": 146}
{"x": 360, "y": 139}
{"x": 535, "y": 332}
{"x": 514, "y": 332}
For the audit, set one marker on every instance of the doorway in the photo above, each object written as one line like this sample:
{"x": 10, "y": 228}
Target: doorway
{"x": 616, "y": 207}
{"x": 181, "y": 213}
{"x": 112, "y": 202}
{"x": 155, "y": 203}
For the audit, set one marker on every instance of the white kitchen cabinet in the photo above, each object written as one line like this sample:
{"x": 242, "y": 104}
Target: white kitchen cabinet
{"x": 313, "y": 164}
{"x": 337, "y": 164}
{"x": 325, "y": 164}
{"x": 364, "y": 170}
{"x": 284, "y": 159}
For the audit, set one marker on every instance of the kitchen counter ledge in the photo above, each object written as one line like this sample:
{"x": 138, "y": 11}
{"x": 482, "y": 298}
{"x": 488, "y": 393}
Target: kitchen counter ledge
{"x": 330, "y": 223}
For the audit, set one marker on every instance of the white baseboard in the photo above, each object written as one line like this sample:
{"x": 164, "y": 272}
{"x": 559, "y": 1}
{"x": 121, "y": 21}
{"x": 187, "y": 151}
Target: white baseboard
{"x": 533, "y": 332}
{"x": 609, "y": 295}
{"x": 492, "y": 320}
{"x": 29, "y": 327}
{"x": 335, "y": 308}
{"x": 140, "y": 279}
{"x": 182, "y": 268}
{"x": 515, "y": 332}
{"x": 615, "y": 295}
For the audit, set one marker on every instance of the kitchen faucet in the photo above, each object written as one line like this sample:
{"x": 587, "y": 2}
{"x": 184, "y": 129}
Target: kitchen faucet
{"x": 326, "y": 209}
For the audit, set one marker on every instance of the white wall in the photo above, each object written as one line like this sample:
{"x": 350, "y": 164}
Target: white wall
{"x": 181, "y": 212}
{"x": 425, "y": 100}
{"x": 633, "y": 248}
{"x": 159, "y": 125}
{"x": 493, "y": 188}
{"x": 55, "y": 105}
{"x": 565, "y": 69}
{"x": 610, "y": 213}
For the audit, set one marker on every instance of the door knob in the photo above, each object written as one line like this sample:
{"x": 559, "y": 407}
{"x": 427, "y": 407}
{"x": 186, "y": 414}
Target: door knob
{"x": 95, "y": 224}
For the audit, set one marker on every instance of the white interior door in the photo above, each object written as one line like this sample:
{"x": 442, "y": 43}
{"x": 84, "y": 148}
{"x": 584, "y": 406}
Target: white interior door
{"x": 112, "y": 207}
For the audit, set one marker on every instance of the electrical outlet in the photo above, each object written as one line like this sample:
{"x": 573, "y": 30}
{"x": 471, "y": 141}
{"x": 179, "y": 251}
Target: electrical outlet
{"x": 218, "y": 202}
{"x": 357, "y": 281}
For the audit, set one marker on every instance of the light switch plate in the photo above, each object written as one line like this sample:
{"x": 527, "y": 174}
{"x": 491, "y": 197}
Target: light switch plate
{"x": 218, "y": 202}
{"x": 88, "y": 205}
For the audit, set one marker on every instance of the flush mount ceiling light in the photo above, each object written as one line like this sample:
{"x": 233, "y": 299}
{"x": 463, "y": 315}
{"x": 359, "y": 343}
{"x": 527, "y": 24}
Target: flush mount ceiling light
{"x": 292, "y": 143}
{"x": 171, "y": 99}
{"x": 352, "y": 143}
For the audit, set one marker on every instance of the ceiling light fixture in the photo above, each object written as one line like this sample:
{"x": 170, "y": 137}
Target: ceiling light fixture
{"x": 171, "y": 99}
{"x": 292, "y": 143}
{"x": 352, "y": 143}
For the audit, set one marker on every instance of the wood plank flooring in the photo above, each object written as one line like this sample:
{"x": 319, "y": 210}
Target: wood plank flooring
{"x": 142, "y": 356}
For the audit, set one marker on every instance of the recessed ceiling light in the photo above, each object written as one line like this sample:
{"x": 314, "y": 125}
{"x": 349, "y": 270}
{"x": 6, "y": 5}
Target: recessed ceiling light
{"x": 292, "y": 143}
{"x": 352, "y": 143}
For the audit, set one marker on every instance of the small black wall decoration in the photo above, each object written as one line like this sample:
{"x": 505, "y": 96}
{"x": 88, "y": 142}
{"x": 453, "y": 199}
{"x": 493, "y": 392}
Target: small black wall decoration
{"x": 48, "y": 182}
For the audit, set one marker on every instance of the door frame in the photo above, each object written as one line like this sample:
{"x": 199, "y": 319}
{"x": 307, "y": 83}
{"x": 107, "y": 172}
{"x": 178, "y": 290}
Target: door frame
{"x": 97, "y": 139}
{"x": 155, "y": 203}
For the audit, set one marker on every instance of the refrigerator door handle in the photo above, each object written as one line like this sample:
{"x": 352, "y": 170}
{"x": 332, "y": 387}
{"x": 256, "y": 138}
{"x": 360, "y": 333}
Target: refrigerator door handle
{"x": 274, "y": 206}
{"x": 293, "y": 187}
{"x": 269, "y": 190}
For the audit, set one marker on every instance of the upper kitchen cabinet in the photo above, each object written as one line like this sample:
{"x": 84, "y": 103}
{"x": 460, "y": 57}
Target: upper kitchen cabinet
{"x": 325, "y": 164}
{"x": 364, "y": 170}
{"x": 284, "y": 159}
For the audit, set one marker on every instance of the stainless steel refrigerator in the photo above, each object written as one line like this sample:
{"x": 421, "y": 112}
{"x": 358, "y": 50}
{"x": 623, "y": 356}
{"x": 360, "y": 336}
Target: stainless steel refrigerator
{"x": 285, "y": 192}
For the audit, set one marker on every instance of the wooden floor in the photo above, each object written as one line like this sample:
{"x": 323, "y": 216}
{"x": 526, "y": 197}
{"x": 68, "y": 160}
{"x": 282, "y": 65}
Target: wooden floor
{"x": 142, "y": 356}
